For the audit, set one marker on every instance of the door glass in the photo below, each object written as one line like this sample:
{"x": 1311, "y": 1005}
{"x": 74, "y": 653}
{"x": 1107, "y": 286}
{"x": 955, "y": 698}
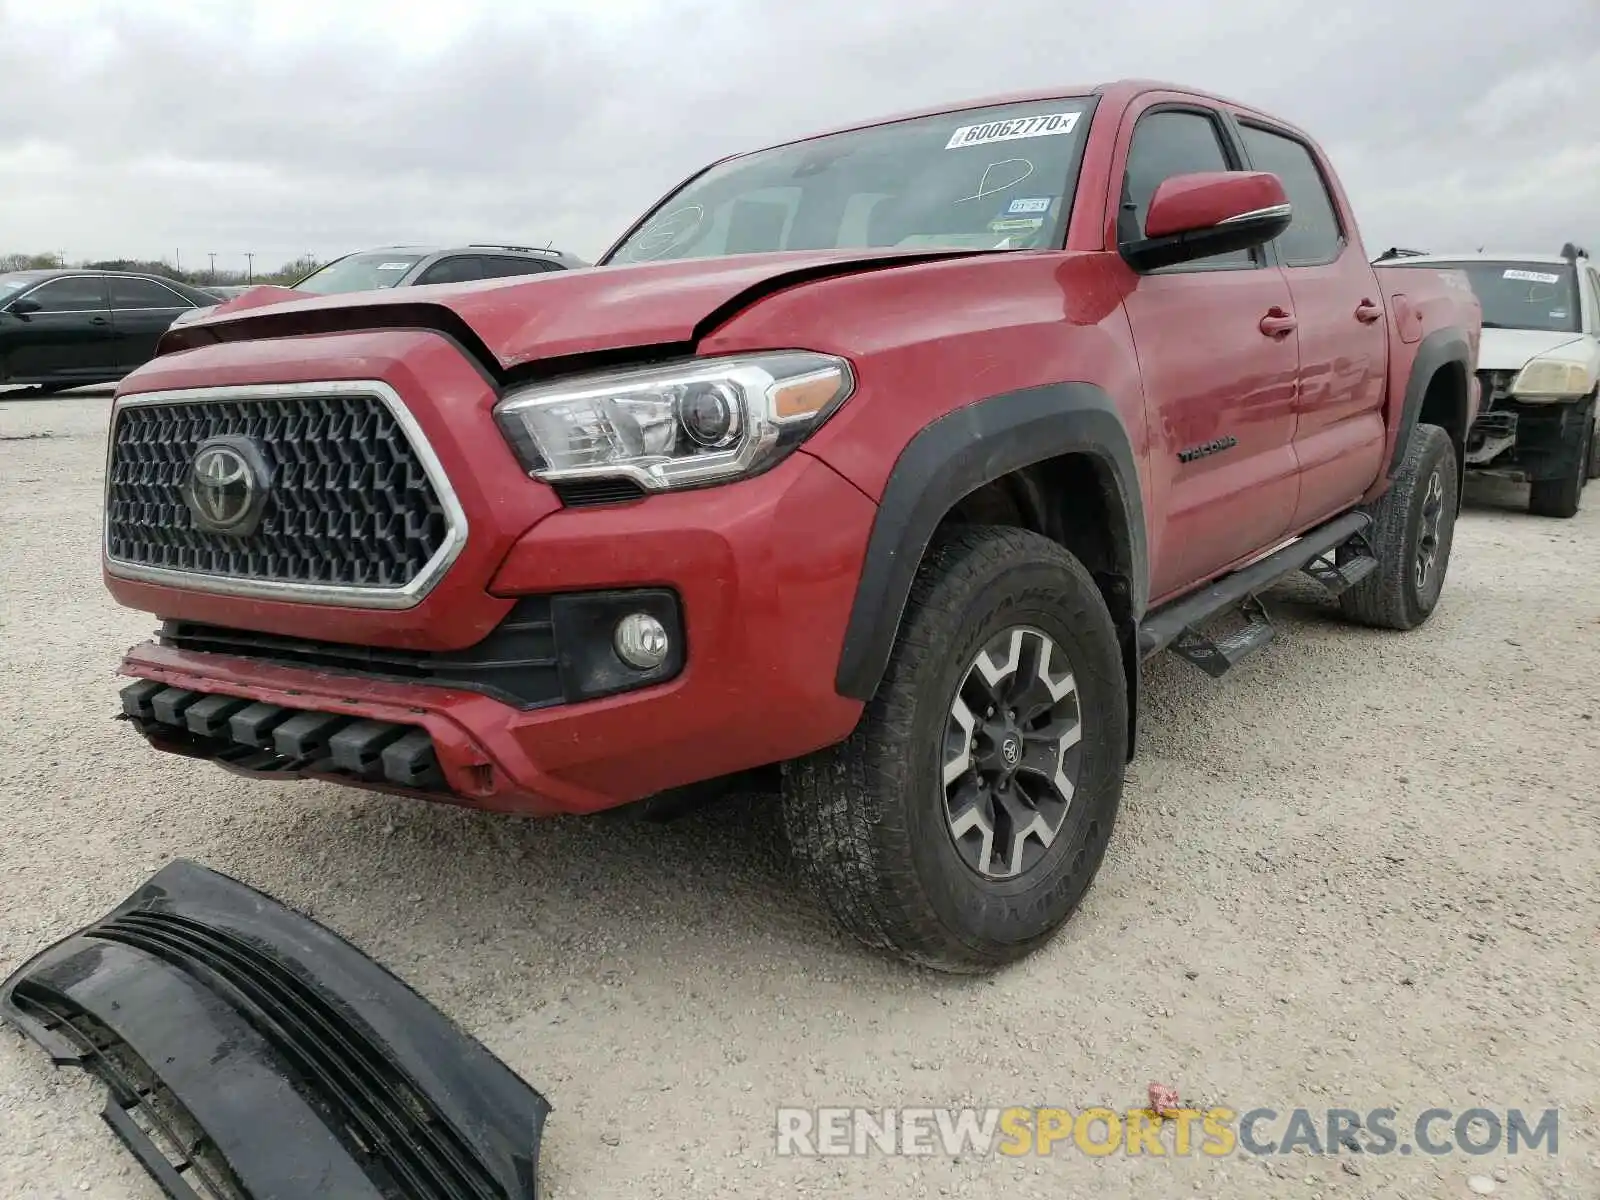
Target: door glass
{"x": 460, "y": 269}
{"x": 1167, "y": 144}
{"x": 496, "y": 266}
{"x": 1313, "y": 236}
{"x": 143, "y": 293}
{"x": 80, "y": 294}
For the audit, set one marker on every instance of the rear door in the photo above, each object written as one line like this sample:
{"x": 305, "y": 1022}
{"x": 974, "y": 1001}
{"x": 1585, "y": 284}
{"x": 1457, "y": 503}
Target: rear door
{"x": 1344, "y": 335}
{"x": 1219, "y": 388}
{"x": 141, "y": 311}
{"x": 497, "y": 266}
{"x": 69, "y": 338}
{"x": 457, "y": 268}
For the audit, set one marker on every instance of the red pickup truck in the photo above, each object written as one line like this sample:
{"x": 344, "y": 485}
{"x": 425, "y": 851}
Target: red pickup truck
{"x": 876, "y": 461}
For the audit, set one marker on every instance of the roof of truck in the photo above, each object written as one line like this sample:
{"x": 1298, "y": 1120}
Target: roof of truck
{"x": 1122, "y": 88}
{"x": 1482, "y": 256}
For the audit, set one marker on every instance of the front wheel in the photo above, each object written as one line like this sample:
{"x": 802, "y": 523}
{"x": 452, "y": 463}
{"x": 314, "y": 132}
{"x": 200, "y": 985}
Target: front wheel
{"x": 962, "y": 822}
{"x": 1560, "y": 497}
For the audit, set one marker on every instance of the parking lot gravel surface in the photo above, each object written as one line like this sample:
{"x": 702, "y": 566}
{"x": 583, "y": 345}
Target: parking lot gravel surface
{"x": 1359, "y": 872}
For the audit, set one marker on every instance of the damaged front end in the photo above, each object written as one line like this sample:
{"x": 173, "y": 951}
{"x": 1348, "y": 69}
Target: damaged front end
{"x": 249, "y": 1052}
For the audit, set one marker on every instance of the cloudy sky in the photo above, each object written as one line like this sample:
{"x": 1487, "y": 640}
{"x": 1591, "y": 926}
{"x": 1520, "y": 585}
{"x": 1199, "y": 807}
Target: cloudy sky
{"x": 145, "y": 128}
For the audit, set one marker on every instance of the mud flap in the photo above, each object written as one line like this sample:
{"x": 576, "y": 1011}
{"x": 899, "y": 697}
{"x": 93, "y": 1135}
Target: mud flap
{"x": 249, "y": 1052}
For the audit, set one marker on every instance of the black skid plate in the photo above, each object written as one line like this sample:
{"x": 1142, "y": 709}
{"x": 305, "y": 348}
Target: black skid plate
{"x": 250, "y": 1053}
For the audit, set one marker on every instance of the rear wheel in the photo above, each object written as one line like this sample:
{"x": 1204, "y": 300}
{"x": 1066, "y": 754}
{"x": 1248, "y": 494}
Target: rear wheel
{"x": 962, "y": 822}
{"x": 1413, "y": 529}
{"x": 1560, "y": 497}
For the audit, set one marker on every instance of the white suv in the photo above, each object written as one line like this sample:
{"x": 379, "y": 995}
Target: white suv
{"x": 1539, "y": 366}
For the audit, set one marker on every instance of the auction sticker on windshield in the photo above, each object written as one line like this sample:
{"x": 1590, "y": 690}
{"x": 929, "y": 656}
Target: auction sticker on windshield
{"x": 1533, "y": 277}
{"x": 1044, "y": 125}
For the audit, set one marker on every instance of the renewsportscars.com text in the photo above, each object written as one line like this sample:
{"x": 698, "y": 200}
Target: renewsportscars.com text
{"x": 1211, "y": 1132}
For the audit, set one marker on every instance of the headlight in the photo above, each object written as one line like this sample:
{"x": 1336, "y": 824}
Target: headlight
{"x": 1552, "y": 379}
{"x": 694, "y": 422}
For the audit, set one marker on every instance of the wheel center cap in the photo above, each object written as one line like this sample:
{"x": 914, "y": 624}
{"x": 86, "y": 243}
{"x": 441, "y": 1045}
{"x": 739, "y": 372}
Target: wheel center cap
{"x": 1011, "y": 750}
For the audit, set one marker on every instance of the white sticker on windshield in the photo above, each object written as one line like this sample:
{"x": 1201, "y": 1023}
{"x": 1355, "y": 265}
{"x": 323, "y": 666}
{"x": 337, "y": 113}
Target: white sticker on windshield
{"x": 393, "y": 266}
{"x": 1045, "y": 125}
{"x": 1533, "y": 277}
{"x": 1036, "y": 204}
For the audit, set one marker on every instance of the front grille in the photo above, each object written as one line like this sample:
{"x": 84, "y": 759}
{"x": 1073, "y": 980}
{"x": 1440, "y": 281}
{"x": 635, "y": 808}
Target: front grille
{"x": 1493, "y": 386}
{"x": 350, "y": 504}
{"x": 141, "y": 1109}
{"x": 392, "y": 1127}
{"x": 516, "y": 663}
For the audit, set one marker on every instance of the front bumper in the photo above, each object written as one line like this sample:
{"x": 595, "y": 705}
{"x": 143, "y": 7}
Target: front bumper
{"x": 1525, "y": 442}
{"x": 763, "y": 572}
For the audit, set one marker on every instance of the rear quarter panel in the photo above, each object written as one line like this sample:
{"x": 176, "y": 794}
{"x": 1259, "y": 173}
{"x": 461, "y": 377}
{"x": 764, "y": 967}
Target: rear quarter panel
{"x": 1423, "y": 302}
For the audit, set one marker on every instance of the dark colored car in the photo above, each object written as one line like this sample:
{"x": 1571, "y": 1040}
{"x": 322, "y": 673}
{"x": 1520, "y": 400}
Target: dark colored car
{"x": 405, "y": 266}
{"x": 409, "y": 266}
{"x": 65, "y": 328}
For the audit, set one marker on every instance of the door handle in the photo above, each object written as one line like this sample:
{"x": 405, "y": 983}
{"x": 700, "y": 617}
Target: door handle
{"x": 1277, "y": 323}
{"x": 99, "y": 321}
{"x": 1367, "y": 312}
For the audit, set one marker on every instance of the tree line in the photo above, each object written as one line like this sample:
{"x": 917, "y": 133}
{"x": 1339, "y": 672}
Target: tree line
{"x": 287, "y": 273}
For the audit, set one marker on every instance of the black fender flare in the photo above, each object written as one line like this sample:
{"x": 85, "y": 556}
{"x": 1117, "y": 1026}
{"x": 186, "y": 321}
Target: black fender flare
{"x": 1439, "y": 349}
{"x": 955, "y": 455}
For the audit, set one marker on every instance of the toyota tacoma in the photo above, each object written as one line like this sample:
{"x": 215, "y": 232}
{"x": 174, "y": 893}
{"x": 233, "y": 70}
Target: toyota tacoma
{"x": 877, "y": 461}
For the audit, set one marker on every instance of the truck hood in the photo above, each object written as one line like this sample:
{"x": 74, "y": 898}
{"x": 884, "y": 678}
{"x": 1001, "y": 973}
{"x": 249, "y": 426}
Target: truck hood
{"x": 1511, "y": 349}
{"x": 520, "y": 319}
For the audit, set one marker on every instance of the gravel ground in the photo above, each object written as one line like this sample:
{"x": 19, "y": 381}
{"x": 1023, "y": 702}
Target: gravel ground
{"x": 1359, "y": 872}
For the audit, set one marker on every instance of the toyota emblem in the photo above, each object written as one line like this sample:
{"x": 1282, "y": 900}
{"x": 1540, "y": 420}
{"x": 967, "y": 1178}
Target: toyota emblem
{"x": 226, "y": 486}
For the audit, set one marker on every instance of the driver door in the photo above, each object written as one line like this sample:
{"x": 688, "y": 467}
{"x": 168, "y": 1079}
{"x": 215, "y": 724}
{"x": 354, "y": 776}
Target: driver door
{"x": 69, "y": 337}
{"x": 1219, "y": 384}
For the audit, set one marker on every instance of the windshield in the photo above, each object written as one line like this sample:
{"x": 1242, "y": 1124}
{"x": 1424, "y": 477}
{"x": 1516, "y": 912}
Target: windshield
{"x": 1524, "y": 295}
{"x": 360, "y": 273}
{"x": 997, "y": 178}
{"x": 10, "y": 284}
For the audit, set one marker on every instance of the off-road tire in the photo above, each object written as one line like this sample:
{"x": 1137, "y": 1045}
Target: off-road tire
{"x": 1390, "y": 597}
{"x": 867, "y": 819}
{"x": 1594, "y": 442}
{"x": 1560, "y": 498}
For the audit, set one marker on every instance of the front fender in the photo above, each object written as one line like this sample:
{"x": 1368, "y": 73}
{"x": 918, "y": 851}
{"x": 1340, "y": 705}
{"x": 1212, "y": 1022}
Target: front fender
{"x": 959, "y": 453}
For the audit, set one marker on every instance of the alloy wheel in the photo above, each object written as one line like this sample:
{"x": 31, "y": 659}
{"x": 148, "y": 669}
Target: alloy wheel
{"x": 1012, "y": 753}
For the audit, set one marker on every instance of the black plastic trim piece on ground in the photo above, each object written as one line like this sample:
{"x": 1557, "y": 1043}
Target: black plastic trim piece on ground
{"x": 250, "y": 1052}
{"x": 1162, "y": 627}
{"x": 952, "y": 457}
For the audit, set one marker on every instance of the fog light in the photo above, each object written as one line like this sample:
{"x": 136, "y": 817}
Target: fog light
{"x": 641, "y": 641}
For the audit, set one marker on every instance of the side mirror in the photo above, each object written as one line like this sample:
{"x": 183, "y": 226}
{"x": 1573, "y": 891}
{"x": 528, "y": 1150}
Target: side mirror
{"x": 22, "y": 306}
{"x": 1212, "y": 212}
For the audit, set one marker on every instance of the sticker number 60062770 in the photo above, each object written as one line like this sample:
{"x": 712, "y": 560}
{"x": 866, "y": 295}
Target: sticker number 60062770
{"x": 1044, "y": 125}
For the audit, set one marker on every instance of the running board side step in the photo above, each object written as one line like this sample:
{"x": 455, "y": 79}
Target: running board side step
{"x": 1176, "y": 626}
{"x": 1346, "y": 565}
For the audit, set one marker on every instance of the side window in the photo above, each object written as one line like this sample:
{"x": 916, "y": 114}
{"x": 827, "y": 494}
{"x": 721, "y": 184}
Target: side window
{"x": 497, "y": 266}
{"x": 80, "y": 294}
{"x": 143, "y": 293}
{"x": 1167, "y": 144}
{"x": 1593, "y": 325}
{"x": 1314, "y": 236}
{"x": 459, "y": 269}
